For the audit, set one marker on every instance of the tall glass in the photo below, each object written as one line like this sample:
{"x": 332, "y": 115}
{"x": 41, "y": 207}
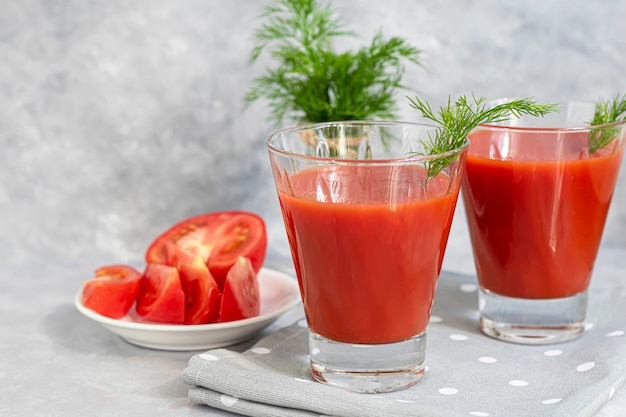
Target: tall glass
{"x": 536, "y": 193}
{"x": 367, "y": 232}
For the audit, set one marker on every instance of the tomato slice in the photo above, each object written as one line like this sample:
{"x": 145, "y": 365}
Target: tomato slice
{"x": 219, "y": 238}
{"x": 112, "y": 291}
{"x": 202, "y": 296}
{"x": 190, "y": 234}
{"x": 242, "y": 235}
{"x": 240, "y": 299}
{"x": 161, "y": 297}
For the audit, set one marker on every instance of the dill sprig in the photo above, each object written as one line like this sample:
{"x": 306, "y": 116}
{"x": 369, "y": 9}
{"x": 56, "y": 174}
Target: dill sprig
{"x": 315, "y": 83}
{"x": 456, "y": 120}
{"x": 606, "y": 112}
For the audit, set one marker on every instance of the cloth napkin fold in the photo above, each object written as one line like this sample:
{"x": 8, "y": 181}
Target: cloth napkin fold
{"x": 467, "y": 374}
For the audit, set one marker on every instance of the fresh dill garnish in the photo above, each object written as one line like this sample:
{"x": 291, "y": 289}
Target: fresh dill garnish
{"x": 456, "y": 120}
{"x": 606, "y": 112}
{"x": 312, "y": 82}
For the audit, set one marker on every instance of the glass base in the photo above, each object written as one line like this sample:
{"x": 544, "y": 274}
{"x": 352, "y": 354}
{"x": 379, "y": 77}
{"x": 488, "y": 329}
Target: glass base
{"x": 532, "y": 322}
{"x": 368, "y": 369}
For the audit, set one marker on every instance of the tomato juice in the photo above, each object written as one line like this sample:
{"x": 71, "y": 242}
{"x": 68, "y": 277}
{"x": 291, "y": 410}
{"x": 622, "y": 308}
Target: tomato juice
{"x": 367, "y": 244}
{"x": 536, "y": 209}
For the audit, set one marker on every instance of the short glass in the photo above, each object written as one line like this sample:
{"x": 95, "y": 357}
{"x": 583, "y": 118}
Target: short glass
{"x": 536, "y": 194}
{"x": 367, "y": 233}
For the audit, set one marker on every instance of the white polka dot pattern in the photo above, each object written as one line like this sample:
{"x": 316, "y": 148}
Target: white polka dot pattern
{"x": 448, "y": 391}
{"x": 209, "y": 357}
{"x": 551, "y": 401}
{"x": 585, "y": 366}
{"x": 468, "y": 288}
{"x": 462, "y": 364}
{"x": 227, "y": 400}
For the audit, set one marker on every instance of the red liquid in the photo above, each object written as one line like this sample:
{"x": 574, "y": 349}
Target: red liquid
{"x": 367, "y": 250}
{"x": 536, "y": 224}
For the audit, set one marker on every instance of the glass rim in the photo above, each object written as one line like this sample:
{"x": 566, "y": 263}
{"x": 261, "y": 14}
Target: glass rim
{"x": 547, "y": 129}
{"x": 350, "y": 161}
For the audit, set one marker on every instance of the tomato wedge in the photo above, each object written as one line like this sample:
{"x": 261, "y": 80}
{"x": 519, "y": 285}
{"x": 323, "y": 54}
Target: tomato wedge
{"x": 242, "y": 235}
{"x": 112, "y": 291}
{"x": 202, "y": 297}
{"x": 161, "y": 297}
{"x": 219, "y": 238}
{"x": 241, "y": 298}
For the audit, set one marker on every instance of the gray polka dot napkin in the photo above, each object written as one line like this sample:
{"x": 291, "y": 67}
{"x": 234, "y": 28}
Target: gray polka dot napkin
{"x": 468, "y": 374}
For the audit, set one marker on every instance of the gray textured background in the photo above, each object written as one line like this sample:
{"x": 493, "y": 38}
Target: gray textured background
{"x": 119, "y": 118}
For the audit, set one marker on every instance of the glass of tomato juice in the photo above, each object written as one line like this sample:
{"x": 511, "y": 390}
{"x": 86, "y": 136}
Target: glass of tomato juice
{"x": 367, "y": 230}
{"x": 536, "y": 193}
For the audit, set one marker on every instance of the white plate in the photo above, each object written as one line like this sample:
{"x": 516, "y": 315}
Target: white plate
{"x": 279, "y": 293}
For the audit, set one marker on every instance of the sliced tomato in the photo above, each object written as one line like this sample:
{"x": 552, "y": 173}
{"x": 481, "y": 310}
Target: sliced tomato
{"x": 202, "y": 297}
{"x": 241, "y": 298}
{"x": 242, "y": 235}
{"x": 161, "y": 297}
{"x": 192, "y": 234}
{"x": 112, "y": 291}
{"x": 219, "y": 238}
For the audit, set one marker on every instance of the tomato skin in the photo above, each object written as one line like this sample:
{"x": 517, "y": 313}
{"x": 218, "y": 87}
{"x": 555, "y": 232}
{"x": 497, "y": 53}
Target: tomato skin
{"x": 188, "y": 268}
{"x": 202, "y": 296}
{"x": 240, "y": 299}
{"x": 112, "y": 291}
{"x": 161, "y": 297}
{"x": 191, "y": 233}
{"x": 242, "y": 235}
{"x": 218, "y": 237}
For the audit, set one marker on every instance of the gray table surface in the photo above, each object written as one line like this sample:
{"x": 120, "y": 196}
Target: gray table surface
{"x": 56, "y": 362}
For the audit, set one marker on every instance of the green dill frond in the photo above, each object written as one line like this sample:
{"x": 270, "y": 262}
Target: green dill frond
{"x": 456, "y": 120}
{"x": 606, "y": 112}
{"x": 315, "y": 83}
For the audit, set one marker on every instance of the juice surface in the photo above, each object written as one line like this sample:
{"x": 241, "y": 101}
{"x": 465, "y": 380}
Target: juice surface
{"x": 536, "y": 223}
{"x": 367, "y": 250}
